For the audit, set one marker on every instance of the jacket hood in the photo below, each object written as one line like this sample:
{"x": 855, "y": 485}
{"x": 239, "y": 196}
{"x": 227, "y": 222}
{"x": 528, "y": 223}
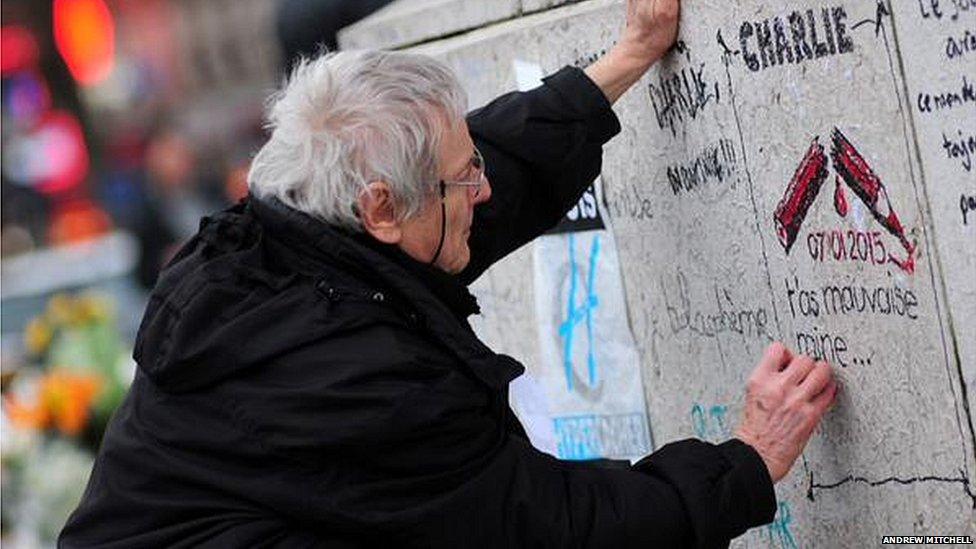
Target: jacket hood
{"x": 218, "y": 307}
{"x": 235, "y": 297}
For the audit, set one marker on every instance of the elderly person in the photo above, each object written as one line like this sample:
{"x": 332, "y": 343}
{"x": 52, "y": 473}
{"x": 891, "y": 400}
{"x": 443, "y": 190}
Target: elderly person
{"x": 307, "y": 376}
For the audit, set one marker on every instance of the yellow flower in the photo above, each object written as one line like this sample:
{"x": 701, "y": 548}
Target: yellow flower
{"x": 37, "y": 336}
{"x": 60, "y": 310}
{"x": 92, "y": 309}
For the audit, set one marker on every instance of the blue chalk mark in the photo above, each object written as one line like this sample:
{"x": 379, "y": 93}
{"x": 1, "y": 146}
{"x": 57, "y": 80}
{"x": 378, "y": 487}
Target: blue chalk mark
{"x": 576, "y": 315}
{"x": 698, "y": 421}
{"x": 718, "y": 413}
{"x": 779, "y": 529}
{"x": 712, "y": 426}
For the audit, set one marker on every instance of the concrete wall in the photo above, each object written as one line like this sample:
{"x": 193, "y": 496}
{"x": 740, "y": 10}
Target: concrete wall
{"x": 796, "y": 171}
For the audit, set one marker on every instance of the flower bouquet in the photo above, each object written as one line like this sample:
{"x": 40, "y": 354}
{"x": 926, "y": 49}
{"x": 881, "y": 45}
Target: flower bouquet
{"x": 56, "y": 407}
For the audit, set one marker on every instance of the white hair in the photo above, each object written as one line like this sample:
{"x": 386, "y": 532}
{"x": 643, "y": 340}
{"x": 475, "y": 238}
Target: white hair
{"x": 343, "y": 120}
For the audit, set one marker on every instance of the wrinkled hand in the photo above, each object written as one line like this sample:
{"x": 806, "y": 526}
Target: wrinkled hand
{"x": 785, "y": 398}
{"x": 652, "y": 27}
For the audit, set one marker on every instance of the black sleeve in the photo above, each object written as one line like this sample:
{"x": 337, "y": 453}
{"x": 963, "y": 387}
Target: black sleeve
{"x": 443, "y": 473}
{"x": 542, "y": 148}
{"x": 688, "y": 494}
{"x": 725, "y": 489}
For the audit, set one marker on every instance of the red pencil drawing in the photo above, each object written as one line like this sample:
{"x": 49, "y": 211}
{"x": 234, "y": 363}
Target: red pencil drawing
{"x": 851, "y": 168}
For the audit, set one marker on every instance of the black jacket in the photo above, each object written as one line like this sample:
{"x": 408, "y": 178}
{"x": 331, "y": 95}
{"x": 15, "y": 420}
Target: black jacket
{"x": 299, "y": 386}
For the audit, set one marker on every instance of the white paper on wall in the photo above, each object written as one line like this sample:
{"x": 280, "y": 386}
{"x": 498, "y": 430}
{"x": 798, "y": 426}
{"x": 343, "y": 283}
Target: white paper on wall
{"x": 590, "y": 367}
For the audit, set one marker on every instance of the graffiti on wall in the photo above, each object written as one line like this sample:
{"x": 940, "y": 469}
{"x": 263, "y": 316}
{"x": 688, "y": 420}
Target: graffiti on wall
{"x": 853, "y": 170}
{"x": 580, "y": 313}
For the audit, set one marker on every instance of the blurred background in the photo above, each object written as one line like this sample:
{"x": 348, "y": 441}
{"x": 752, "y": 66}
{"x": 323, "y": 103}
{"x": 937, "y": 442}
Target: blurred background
{"x": 123, "y": 122}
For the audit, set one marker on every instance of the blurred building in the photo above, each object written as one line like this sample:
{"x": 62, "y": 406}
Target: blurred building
{"x": 123, "y": 122}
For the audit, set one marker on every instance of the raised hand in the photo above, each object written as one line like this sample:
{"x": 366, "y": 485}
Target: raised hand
{"x": 651, "y": 28}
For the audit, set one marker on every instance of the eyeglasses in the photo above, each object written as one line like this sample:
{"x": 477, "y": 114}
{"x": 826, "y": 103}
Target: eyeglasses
{"x": 477, "y": 163}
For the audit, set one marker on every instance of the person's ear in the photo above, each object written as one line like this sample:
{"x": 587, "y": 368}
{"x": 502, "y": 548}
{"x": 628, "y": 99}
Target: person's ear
{"x": 377, "y": 211}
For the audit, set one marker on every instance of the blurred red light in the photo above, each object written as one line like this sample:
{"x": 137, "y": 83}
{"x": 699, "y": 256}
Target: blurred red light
{"x": 77, "y": 221}
{"x": 84, "y": 33}
{"x": 18, "y": 49}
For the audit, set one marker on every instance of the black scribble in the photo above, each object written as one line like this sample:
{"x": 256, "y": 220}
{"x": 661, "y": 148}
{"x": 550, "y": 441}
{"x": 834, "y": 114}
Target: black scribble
{"x": 881, "y": 11}
{"x": 726, "y": 50}
{"x": 681, "y": 48}
{"x": 961, "y": 479}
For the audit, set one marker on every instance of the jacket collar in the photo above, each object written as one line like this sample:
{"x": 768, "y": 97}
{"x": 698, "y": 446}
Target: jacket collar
{"x": 445, "y": 286}
{"x": 329, "y": 245}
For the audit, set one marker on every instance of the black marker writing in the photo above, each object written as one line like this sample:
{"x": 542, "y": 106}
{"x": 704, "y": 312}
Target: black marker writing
{"x": 960, "y": 46}
{"x": 947, "y": 100}
{"x": 967, "y": 203}
{"x": 681, "y": 96}
{"x": 714, "y": 163}
{"x": 850, "y": 299}
{"x": 962, "y": 147}
{"x": 801, "y": 37}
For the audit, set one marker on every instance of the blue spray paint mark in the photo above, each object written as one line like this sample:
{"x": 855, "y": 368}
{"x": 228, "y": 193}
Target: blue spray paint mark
{"x": 576, "y": 315}
{"x": 591, "y": 303}
{"x": 779, "y": 529}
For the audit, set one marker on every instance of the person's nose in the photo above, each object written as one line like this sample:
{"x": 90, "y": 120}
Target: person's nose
{"x": 484, "y": 191}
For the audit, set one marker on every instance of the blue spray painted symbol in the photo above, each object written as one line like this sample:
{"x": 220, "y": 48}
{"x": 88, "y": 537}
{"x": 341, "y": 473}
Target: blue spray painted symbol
{"x": 576, "y": 315}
